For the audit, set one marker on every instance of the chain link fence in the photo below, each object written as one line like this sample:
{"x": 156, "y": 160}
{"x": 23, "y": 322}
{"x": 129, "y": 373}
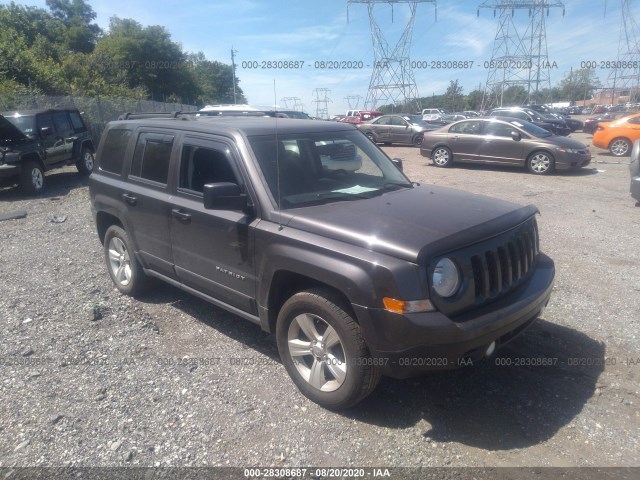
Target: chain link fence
{"x": 96, "y": 111}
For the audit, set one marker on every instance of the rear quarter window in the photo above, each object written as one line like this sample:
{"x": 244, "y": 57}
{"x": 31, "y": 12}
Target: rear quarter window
{"x": 76, "y": 121}
{"x": 113, "y": 150}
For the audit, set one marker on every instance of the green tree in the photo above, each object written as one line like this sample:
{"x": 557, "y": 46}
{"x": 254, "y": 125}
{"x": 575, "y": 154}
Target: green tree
{"x": 453, "y": 97}
{"x": 214, "y": 81}
{"x": 579, "y": 84}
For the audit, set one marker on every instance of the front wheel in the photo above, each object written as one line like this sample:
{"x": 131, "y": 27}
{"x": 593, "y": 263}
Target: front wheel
{"x": 32, "y": 178}
{"x": 620, "y": 147}
{"x": 442, "y": 157}
{"x": 85, "y": 162}
{"x": 322, "y": 348}
{"x": 540, "y": 163}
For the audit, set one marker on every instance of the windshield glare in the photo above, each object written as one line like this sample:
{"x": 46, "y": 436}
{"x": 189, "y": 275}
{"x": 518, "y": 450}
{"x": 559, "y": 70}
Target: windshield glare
{"x": 26, "y": 123}
{"x": 324, "y": 167}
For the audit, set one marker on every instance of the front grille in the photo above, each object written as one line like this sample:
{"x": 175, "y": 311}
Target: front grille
{"x": 500, "y": 269}
{"x": 491, "y": 269}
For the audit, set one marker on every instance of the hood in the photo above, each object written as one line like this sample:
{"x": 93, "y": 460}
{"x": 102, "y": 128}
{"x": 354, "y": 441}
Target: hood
{"x": 565, "y": 142}
{"x": 412, "y": 224}
{"x": 9, "y": 133}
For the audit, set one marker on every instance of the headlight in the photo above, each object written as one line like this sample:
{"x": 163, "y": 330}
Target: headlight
{"x": 446, "y": 278}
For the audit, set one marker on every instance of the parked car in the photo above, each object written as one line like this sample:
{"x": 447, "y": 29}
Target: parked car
{"x": 357, "y": 275}
{"x": 354, "y": 120}
{"x": 591, "y": 124}
{"x": 504, "y": 140}
{"x": 389, "y": 129}
{"x": 35, "y": 141}
{"x": 558, "y": 127}
{"x": 572, "y": 123}
{"x": 634, "y": 169}
{"x": 431, "y": 114}
{"x": 618, "y": 136}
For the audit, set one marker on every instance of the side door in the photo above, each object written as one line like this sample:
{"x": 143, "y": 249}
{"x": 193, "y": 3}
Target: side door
{"x": 499, "y": 146}
{"x": 52, "y": 143}
{"x": 213, "y": 250}
{"x": 465, "y": 139}
{"x": 380, "y": 128}
{"x": 400, "y": 130}
{"x": 65, "y": 133}
{"x": 146, "y": 198}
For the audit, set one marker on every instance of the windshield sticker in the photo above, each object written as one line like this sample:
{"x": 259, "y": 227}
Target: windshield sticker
{"x": 355, "y": 190}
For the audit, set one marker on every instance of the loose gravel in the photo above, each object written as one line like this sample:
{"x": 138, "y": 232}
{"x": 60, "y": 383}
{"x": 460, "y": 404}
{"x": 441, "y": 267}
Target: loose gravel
{"x": 89, "y": 377}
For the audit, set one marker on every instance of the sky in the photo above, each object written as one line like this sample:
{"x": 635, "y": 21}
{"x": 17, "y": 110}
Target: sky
{"x": 330, "y": 31}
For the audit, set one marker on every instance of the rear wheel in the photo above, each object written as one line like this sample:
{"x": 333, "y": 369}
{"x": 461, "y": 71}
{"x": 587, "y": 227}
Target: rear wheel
{"x": 124, "y": 269}
{"x": 32, "y": 178}
{"x": 85, "y": 162}
{"x": 540, "y": 163}
{"x": 442, "y": 157}
{"x": 417, "y": 140}
{"x": 620, "y": 147}
{"x": 322, "y": 348}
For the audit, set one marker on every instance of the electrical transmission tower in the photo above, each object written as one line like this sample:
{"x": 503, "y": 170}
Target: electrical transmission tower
{"x": 625, "y": 77}
{"x": 392, "y": 80}
{"x": 322, "y": 101}
{"x": 293, "y": 103}
{"x": 519, "y": 57}
{"x": 353, "y": 101}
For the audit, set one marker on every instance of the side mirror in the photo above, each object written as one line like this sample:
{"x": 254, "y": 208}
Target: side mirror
{"x": 516, "y": 136}
{"x": 224, "y": 196}
{"x": 397, "y": 162}
{"x": 44, "y": 131}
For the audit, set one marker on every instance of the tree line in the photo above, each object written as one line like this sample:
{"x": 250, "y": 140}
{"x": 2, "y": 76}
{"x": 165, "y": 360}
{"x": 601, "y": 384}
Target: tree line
{"x": 60, "y": 50}
{"x": 575, "y": 86}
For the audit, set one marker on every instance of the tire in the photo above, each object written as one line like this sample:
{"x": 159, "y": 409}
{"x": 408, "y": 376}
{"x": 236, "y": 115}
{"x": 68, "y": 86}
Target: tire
{"x": 335, "y": 376}
{"x": 620, "y": 147}
{"x": 417, "y": 140}
{"x": 124, "y": 269}
{"x": 541, "y": 163}
{"x": 442, "y": 157}
{"x": 32, "y": 178}
{"x": 85, "y": 162}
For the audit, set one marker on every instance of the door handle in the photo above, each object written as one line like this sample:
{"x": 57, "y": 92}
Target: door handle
{"x": 130, "y": 199}
{"x": 181, "y": 215}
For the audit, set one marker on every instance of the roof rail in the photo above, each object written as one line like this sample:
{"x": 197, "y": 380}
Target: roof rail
{"x": 136, "y": 115}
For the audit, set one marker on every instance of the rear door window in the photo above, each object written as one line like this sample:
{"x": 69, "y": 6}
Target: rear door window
{"x": 152, "y": 156}
{"x": 114, "y": 150}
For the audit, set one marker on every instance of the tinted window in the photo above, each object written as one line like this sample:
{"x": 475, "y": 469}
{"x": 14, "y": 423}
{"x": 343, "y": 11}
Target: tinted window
{"x": 151, "y": 157}
{"x": 113, "y": 151}
{"x": 498, "y": 129}
{"x": 382, "y": 121}
{"x": 200, "y": 165}
{"x": 61, "y": 121}
{"x": 470, "y": 128}
{"x": 398, "y": 121}
{"x": 23, "y": 122}
{"x": 634, "y": 120}
{"x": 45, "y": 121}
{"x": 76, "y": 121}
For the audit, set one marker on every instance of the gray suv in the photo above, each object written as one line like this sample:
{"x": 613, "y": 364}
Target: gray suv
{"x": 358, "y": 273}
{"x": 34, "y": 141}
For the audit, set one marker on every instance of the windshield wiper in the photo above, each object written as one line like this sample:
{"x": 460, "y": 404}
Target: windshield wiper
{"x": 390, "y": 186}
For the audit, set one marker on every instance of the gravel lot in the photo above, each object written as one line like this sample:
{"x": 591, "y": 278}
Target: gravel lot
{"x": 89, "y": 377}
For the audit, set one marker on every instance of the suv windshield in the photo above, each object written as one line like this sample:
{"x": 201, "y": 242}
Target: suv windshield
{"x": 26, "y": 123}
{"x": 324, "y": 167}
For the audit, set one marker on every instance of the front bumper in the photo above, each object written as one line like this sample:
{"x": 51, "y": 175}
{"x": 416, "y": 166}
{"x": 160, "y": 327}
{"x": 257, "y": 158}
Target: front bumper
{"x": 635, "y": 188}
{"x": 406, "y": 345}
{"x": 565, "y": 161}
{"x": 9, "y": 170}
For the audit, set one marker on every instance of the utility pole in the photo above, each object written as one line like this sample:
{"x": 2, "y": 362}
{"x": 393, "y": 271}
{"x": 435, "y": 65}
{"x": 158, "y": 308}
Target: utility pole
{"x": 233, "y": 70}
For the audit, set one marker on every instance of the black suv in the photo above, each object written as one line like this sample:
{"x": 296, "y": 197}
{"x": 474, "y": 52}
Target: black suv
{"x": 556, "y": 126}
{"x": 34, "y": 141}
{"x": 358, "y": 273}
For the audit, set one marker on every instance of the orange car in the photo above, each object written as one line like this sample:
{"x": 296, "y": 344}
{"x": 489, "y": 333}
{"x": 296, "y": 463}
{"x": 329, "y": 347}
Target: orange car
{"x": 619, "y": 135}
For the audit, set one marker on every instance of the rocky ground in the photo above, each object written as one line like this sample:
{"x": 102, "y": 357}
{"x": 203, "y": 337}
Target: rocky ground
{"x": 89, "y": 377}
